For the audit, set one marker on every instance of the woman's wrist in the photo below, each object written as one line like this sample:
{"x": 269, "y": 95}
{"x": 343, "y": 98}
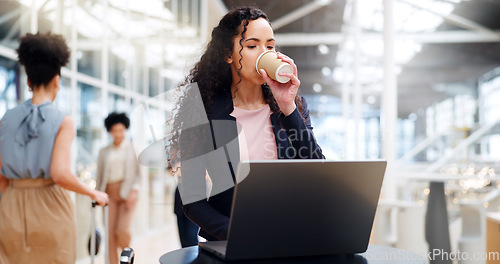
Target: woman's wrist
{"x": 288, "y": 109}
{"x": 93, "y": 194}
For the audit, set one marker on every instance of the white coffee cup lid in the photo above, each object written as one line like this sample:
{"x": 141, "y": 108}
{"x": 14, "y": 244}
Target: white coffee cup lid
{"x": 285, "y": 67}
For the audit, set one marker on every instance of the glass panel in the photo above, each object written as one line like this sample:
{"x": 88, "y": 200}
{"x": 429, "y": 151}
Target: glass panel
{"x": 161, "y": 196}
{"x": 161, "y": 184}
{"x": 23, "y": 88}
{"x": 89, "y": 62}
{"x": 373, "y": 143}
{"x": 63, "y": 99}
{"x": 8, "y": 80}
{"x": 117, "y": 70}
{"x": 195, "y": 14}
{"x": 154, "y": 76}
{"x": 117, "y": 103}
{"x": 406, "y": 136}
{"x": 139, "y": 78}
{"x": 89, "y": 125}
{"x": 336, "y": 135}
{"x": 12, "y": 14}
{"x": 489, "y": 92}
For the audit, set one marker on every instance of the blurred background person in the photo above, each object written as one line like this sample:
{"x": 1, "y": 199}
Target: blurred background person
{"x": 37, "y": 223}
{"x": 118, "y": 174}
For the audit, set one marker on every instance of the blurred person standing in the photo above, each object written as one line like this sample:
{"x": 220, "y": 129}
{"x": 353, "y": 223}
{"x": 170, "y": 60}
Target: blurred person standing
{"x": 37, "y": 223}
{"x": 119, "y": 175}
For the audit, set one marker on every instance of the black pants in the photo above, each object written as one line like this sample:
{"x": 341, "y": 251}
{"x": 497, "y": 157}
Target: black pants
{"x": 188, "y": 231}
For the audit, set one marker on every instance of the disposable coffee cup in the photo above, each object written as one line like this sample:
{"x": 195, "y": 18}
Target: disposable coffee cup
{"x": 268, "y": 60}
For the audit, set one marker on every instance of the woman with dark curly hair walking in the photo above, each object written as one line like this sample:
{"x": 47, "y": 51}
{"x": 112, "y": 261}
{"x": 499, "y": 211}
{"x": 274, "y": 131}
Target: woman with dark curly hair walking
{"x": 37, "y": 223}
{"x": 264, "y": 117}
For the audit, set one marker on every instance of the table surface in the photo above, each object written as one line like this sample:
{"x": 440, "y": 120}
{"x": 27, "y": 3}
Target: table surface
{"x": 374, "y": 255}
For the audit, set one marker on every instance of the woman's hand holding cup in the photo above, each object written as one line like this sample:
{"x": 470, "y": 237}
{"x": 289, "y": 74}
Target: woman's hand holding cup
{"x": 284, "y": 93}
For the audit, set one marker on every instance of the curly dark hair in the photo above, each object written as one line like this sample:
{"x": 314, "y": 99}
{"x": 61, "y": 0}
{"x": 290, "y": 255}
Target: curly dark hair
{"x": 116, "y": 118}
{"x": 42, "y": 55}
{"x": 212, "y": 73}
{"x": 213, "y": 76}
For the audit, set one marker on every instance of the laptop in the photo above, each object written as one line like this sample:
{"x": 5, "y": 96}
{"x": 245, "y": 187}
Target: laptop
{"x": 295, "y": 208}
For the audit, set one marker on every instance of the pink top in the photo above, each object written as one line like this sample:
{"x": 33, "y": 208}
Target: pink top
{"x": 256, "y": 138}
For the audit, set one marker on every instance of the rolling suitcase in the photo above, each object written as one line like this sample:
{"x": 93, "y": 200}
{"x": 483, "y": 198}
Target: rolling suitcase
{"x": 127, "y": 256}
{"x": 93, "y": 238}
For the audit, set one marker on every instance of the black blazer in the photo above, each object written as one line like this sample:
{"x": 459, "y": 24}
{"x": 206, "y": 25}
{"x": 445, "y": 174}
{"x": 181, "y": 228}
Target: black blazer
{"x": 294, "y": 140}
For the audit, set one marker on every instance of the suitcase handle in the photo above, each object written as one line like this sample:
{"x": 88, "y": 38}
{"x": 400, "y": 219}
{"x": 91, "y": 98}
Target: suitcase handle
{"x": 106, "y": 226}
{"x": 94, "y": 204}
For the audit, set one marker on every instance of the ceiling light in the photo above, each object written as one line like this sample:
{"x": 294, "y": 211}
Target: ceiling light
{"x": 317, "y": 88}
{"x": 326, "y": 71}
{"x": 323, "y": 49}
{"x": 324, "y": 2}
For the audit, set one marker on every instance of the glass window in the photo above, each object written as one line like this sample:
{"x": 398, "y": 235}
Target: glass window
{"x": 117, "y": 103}
{"x": 154, "y": 84}
{"x": 490, "y": 112}
{"x": 465, "y": 110}
{"x": 117, "y": 70}
{"x": 23, "y": 91}
{"x": 490, "y": 94}
{"x": 89, "y": 125}
{"x": 406, "y": 136}
{"x": 8, "y": 81}
{"x": 444, "y": 114}
{"x": 161, "y": 194}
{"x": 89, "y": 62}
{"x": 373, "y": 138}
{"x": 160, "y": 197}
{"x": 139, "y": 72}
{"x": 430, "y": 117}
{"x": 63, "y": 99}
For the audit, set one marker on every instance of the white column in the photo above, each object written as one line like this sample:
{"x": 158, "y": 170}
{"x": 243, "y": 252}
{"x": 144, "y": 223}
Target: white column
{"x": 34, "y": 17}
{"x": 357, "y": 95}
{"x": 185, "y": 14}
{"x": 59, "y": 17}
{"x": 105, "y": 67}
{"x": 204, "y": 31}
{"x": 175, "y": 10}
{"x": 129, "y": 61}
{"x": 389, "y": 103}
{"x": 346, "y": 83}
{"x": 345, "y": 109}
{"x": 194, "y": 14}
